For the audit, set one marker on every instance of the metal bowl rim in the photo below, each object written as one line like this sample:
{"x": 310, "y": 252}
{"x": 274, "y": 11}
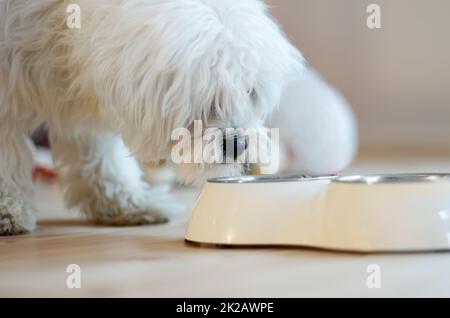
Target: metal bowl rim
{"x": 267, "y": 179}
{"x": 393, "y": 178}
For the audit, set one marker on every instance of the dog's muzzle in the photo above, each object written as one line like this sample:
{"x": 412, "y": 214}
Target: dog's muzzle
{"x": 234, "y": 147}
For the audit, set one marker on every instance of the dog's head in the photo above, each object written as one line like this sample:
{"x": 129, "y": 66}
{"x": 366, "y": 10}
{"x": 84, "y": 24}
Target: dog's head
{"x": 221, "y": 62}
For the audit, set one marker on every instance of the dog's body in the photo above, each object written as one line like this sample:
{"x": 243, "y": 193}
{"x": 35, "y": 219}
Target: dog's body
{"x": 133, "y": 72}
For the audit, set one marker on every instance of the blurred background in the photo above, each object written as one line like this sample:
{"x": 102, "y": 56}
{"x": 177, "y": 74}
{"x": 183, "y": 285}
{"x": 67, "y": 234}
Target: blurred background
{"x": 396, "y": 78}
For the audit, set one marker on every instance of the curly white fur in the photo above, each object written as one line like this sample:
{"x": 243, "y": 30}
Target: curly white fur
{"x": 135, "y": 70}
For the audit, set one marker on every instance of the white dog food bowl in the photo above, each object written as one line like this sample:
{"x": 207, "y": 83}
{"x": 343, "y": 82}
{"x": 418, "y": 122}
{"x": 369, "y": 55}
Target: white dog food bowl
{"x": 386, "y": 213}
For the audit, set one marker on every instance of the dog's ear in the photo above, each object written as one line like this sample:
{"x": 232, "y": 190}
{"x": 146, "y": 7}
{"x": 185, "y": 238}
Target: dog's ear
{"x": 280, "y": 61}
{"x": 151, "y": 84}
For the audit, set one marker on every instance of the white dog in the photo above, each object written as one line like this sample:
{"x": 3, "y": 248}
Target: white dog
{"x": 120, "y": 84}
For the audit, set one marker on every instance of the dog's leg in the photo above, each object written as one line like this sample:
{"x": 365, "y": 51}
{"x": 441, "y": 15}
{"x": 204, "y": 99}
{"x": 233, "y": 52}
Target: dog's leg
{"x": 105, "y": 181}
{"x": 16, "y": 210}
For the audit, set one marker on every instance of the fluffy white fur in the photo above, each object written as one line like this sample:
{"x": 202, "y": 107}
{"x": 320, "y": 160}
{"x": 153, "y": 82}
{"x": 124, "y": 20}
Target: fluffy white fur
{"x": 318, "y": 130}
{"x": 135, "y": 70}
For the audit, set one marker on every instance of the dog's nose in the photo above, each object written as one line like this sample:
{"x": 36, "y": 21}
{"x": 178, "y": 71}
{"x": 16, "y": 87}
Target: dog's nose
{"x": 234, "y": 146}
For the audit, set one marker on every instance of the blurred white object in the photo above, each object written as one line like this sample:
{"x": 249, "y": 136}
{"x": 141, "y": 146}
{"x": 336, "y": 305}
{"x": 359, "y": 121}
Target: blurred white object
{"x": 330, "y": 213}
{"x": 318, "y": 130}
{"x": 160, "y": 175}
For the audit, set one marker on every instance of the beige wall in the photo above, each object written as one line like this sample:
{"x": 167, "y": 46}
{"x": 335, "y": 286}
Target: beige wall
{"x": 397, "y": 78}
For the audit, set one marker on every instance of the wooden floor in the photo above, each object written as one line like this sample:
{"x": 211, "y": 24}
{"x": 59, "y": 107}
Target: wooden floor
{"x": 156, "y": 262}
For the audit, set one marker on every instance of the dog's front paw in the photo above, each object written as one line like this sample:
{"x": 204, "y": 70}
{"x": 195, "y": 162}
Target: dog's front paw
{"x": 146, "y": 207}
{"x": 16, "y": 216}
{"x": 134, "y": 219}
